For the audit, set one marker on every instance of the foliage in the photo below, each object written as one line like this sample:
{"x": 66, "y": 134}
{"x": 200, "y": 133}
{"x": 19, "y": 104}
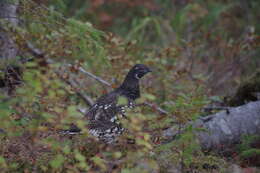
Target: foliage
{"x": 211, "y": 37}
{"x": 249, "y": 150}
{"x": 175, "y": 46}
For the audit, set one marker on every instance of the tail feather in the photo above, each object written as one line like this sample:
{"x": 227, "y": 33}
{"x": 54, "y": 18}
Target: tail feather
{"x": 72, "y": 131}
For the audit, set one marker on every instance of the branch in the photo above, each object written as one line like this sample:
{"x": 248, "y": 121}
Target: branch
{"x": 154, "y": 106}
{"x": 81, "y": 69}
{"x": 85, "y": 97}
{"x": 95, "y": 77}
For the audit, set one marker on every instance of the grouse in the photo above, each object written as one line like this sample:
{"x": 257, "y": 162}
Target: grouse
{"x": 103, "y": 115}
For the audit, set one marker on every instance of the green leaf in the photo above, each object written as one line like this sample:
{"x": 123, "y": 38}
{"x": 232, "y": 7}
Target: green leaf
{"x": 98, "y": 161}
{"x": 66, "y": 149}
{"x": 149, "y": 96}
{"x": 80, "y": 157}
{"x": 251, "y": 152}
{"x": 122, "y": 101}
{"x": 117, "y": 154}
{"x": 126, "y": 171}
{"x": 57, "y": 161}
{"x": 142, "y": 24}
{"x": 2, "y": 161}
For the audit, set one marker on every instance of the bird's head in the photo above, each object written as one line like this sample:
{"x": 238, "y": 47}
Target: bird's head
{"x": 138, "y": 71}
{"x": 131, "y": 83}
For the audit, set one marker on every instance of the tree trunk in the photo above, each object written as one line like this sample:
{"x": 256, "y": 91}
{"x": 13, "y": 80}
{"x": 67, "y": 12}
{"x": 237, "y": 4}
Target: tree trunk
{"x": 8, "y": 10}
{"x": 226, "y": 128}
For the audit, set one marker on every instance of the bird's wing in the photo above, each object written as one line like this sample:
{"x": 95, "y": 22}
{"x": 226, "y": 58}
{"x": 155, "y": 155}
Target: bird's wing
{"x": 106, "y": 130}
{"x": 106, "y": 108}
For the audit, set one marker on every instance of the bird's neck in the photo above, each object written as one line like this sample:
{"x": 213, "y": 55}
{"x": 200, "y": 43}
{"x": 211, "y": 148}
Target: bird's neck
{"x": 130, "y": 87}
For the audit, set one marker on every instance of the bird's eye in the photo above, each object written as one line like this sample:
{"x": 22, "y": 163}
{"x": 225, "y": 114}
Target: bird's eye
{"x": 137, "y": 77}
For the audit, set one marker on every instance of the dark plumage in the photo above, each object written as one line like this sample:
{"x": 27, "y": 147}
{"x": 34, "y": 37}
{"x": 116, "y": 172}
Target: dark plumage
{"x": 103, "y": 115}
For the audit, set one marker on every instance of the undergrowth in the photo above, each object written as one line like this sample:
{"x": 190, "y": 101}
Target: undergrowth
{"x": 46, "y": 101}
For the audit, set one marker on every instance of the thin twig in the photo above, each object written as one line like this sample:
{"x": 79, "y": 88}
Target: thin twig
{"x": 95, "y": 77}
{"x": 208, "y": 109}
{"x": 85, "y": 97}
{"x": 162, "y": 111}
{"x": 9, "y": 17}
{"x": 81, "y": 69}
{"x": 35, "y": 51}
{"x": 81, "y": 111}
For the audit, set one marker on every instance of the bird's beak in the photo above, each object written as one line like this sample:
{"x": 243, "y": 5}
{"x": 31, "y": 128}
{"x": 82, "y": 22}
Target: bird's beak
{"x": 148, "y": 70}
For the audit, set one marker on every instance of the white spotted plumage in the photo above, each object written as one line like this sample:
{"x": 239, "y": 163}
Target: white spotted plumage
{"x": 103, "y": 115}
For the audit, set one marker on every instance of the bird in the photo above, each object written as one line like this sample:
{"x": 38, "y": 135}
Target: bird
{"x": 103, "y": 116}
